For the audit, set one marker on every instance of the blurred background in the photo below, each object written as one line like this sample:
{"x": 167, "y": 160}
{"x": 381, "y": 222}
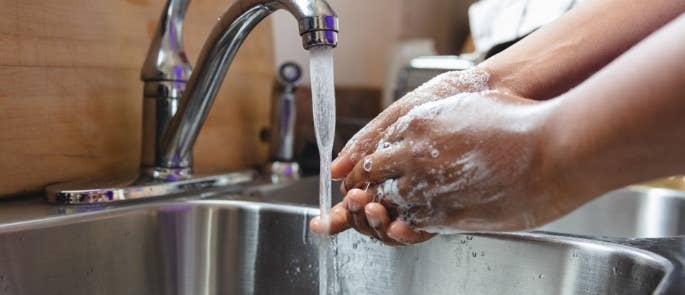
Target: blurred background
{"x": 71, "y": 94}
{"x": 389, "y": 47}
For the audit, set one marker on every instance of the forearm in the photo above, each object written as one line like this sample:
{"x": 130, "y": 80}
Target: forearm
{"x": 626, "y": 123}
{"x": 564, "y": 53}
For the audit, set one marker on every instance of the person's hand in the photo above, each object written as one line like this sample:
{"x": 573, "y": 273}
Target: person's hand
{"x": 442, "y": 86}
{"x": 471, "y": 162}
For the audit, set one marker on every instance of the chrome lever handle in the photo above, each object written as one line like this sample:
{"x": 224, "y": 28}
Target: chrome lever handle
{"x": 166, "y": 72}
{"x": 166, "y": 59}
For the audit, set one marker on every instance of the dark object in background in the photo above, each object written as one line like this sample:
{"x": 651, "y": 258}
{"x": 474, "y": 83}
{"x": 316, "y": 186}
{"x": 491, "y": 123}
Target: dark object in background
{"x": 502, "y": 46}
{"x": 292, "y": 111}
{"x": 284, "y": 113}
{"x": 421, "y": 69}
{"x": 282, "y": 165}
{"x": 355, "y": 107}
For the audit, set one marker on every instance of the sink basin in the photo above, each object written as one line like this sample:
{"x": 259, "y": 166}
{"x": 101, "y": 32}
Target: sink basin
{"x": 633, "y": 212}
{"x": 226, "y": 246}
{"x": 302, "y": 192}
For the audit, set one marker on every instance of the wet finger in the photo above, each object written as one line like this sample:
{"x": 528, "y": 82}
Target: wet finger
{"x": 341, "y": 166}
{"x": 356, "y": 201}
{"x": 403, "y": 233}
{"x": 342, "y": 188}
{"x": 378, "y": 218}
{"x": 360, "y": 145}
{"x": 376, "y": 167}
{"x": 364, "y": 142}
{"x": 339, "y": 221}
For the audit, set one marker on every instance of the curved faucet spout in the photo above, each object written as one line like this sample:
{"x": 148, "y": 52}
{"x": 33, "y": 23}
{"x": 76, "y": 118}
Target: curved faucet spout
{"x": 318, "y": 26}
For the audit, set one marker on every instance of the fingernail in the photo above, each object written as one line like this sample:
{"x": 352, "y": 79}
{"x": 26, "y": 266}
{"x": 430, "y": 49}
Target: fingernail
{"x": 390, "y": 235}
{"x": 373, "y": 221}
{"x": 354, "y": 206}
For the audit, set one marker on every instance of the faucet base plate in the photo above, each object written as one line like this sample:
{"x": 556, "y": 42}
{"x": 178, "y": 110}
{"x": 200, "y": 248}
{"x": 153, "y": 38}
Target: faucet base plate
{"x": 138, "y": 187}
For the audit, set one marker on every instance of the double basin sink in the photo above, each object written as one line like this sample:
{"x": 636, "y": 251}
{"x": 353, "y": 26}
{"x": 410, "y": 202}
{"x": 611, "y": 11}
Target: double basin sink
{"x": 255, "y": 240}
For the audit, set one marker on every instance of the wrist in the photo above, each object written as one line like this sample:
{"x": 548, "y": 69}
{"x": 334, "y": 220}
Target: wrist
{"x": 503, "y": 78}
{"x": 580, "y": 159}
{"x": 562, "y": 168}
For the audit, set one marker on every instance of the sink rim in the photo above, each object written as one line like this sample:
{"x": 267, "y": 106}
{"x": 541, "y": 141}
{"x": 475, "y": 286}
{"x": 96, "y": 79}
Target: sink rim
{"x": 584, "y": 244}
{"x": 109, "y": 212}
{"x": 82, "y": 214}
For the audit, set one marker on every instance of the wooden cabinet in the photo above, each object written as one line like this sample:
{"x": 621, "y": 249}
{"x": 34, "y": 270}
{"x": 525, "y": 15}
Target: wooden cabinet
{"x": 71, "y": 98}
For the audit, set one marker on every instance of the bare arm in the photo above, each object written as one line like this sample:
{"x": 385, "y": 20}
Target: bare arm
{"x": 627, "y": 123}
{"x": 564, "y": 53}
{"x": 496, "y": 161}
{"x": 543, "y": 65}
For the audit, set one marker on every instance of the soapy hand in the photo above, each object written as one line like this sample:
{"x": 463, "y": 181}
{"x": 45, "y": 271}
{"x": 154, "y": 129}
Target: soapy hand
{"x": 468, "y": 162}
{"x": 440, "y": 87}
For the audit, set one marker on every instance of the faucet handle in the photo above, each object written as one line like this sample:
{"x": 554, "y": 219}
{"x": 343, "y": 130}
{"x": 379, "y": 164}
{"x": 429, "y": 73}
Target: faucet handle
{"x": 166, "y": 72}
{"x": 166, "y": 59}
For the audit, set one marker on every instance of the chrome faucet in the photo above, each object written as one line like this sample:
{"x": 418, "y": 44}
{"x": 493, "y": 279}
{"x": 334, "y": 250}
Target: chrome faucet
{"x": 180, "y": 105}
{"x": 177, "y": 99}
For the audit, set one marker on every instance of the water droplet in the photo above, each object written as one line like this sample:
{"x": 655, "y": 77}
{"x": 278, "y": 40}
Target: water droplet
{"x": 541, "y": 276}
{"x": 488, "y": 268}
{"x": 474, "y": 254}
{"x": 482, "y": 253}
{"x": 435, "y": 153}
{"x": 469, "y": 238}
{"x": 386, "y": 145}
{"x": 614, "y": 270}
{"x": 368, "y": 164}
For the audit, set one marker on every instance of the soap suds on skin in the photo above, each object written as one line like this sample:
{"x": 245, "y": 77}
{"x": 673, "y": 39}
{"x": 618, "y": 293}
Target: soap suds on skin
{"x": 447, "y": 179}
{"x": 442, "y": 86}
{"x": 427, "y": 195}
{"x": 483, "y": 174}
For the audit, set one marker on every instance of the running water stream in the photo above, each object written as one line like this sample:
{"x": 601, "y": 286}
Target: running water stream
{"x": 323, "y": 105}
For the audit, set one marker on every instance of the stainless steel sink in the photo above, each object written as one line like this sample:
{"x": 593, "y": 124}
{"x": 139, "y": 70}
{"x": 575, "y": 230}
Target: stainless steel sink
{"x": 633, "y": 212}
{"x": 302, "y": 192}
{"x": 226, "y": 246}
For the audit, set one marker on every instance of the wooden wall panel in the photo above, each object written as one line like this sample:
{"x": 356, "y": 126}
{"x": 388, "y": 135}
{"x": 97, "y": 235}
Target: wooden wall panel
{"x": 70, "y": 94}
